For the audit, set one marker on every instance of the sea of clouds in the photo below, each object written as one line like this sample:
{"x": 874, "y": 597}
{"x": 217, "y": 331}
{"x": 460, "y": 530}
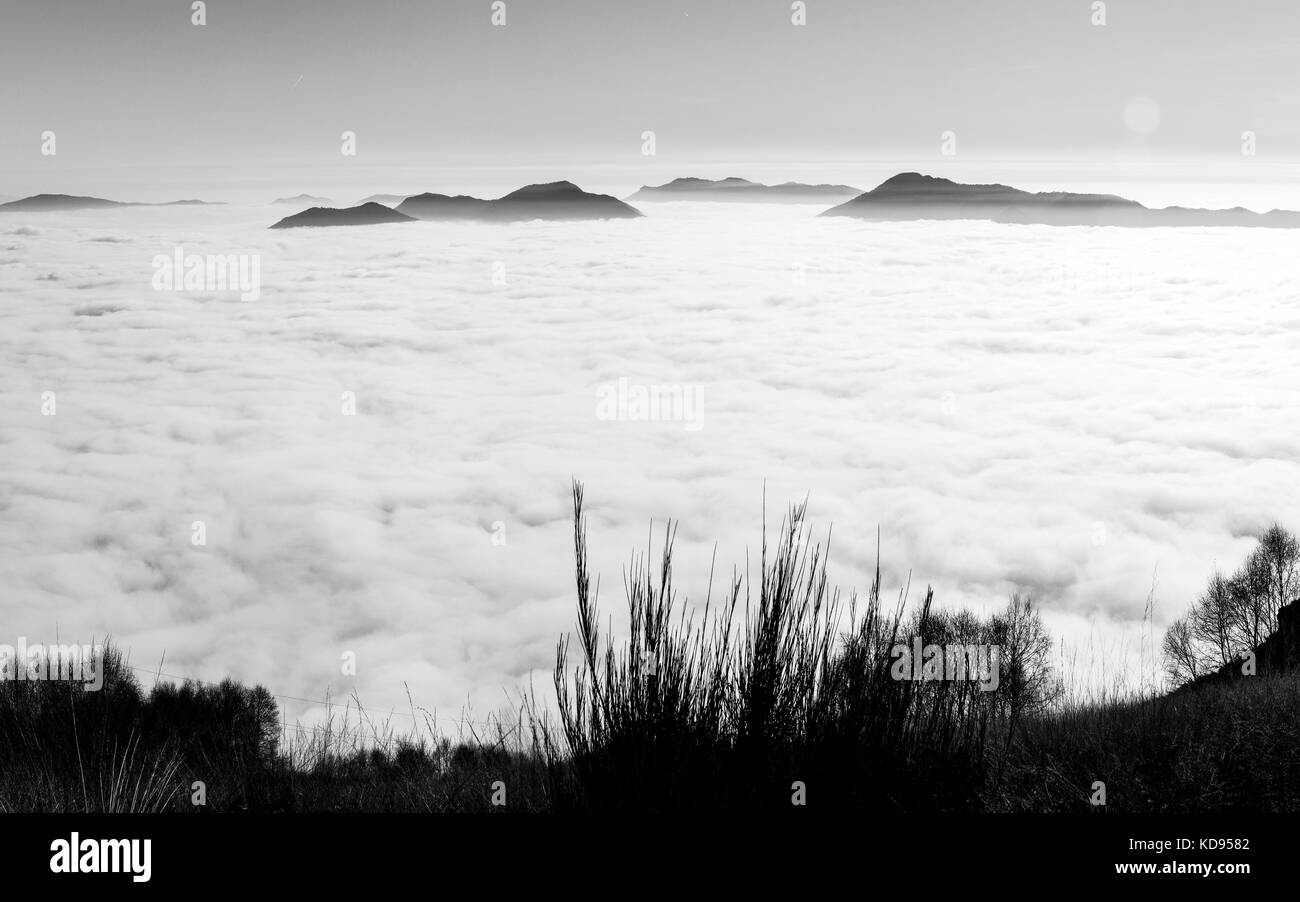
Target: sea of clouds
{"x": 1094, "y": 416}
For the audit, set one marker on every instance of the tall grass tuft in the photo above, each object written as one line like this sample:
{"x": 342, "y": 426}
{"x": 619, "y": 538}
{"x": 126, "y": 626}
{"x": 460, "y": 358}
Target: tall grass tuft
{"x": 765, "y": 695}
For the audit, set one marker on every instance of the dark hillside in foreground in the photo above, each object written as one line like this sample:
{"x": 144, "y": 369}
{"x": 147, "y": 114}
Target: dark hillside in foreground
{"x": 766, "y": 699}
{"x": 1214, "y": 748}
{"x": 1276, "y": 656}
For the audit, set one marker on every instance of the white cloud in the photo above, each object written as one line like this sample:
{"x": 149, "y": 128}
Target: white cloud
{"x": 984, "y": 403}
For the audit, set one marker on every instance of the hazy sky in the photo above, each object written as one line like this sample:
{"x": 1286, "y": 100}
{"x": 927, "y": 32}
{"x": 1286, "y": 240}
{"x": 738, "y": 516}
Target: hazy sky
{"x": 266, "y": 89}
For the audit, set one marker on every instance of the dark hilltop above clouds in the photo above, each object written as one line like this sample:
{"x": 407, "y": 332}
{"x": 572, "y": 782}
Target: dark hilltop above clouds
{"x": 912, "y": 196}
{"x": 907, "y": 196}
{"x": 54, "y": 202}
{"x": 365, "y": 214}
{"x": 738, "y": 190}
{"x": 39, "y": 203}
{"x": 444, "y": 206}
{"x": 553, "y": 200}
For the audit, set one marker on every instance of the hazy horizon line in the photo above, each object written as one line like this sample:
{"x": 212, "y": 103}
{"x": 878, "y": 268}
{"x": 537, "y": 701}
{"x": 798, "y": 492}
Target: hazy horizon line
{"x": 493, "y": 180}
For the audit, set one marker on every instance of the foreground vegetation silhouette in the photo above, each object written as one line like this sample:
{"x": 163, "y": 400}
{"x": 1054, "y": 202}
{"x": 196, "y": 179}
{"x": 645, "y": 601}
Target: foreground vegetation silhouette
{"x": 778, "y": 694}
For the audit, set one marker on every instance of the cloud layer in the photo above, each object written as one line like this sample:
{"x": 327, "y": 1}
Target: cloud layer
{"x": 1072, "y": 412}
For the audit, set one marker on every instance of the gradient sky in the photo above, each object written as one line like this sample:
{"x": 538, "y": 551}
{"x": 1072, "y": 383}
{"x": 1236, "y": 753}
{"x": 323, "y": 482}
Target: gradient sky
{"x": 266, "y": 89}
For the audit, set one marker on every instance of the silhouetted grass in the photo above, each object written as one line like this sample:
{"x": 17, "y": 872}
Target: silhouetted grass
{"x": 775, "y": 690}
{"x": 67, "y": 748}
{"x": 774, "y": 687}
{"x": 1220, "y": 748}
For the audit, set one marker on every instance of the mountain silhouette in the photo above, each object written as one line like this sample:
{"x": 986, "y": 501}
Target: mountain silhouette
{"x": 553, "y": 200}
{"x": 738, "y": 190}
{"x": 365, "y": 214}
{"x": 39, "y": 203}
{"x": 443, "y": 206}
{"x": 303, "y": 200}
{"x": 388, "y": 200}
{"x": 911, "y": 196}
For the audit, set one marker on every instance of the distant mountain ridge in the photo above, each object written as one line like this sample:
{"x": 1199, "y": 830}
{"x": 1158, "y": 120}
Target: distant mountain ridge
{"x": 551, "y": 200}
{"x": 364, "y": 214}
{"x": 39, "y": 203}
{"x": 907, "y": 196}
{"x": 388, "y": 200}
{"x": 303, "y": 200}
{"x": 738, "y": 190}
{"x": 912, "y": 196}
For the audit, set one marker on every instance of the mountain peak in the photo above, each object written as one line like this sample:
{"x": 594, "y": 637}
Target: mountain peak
{"x": 39, "y": 202}
{"x": 364, "y": 214}
{"x": 734, "y": 189}
{"x": 691, "y": 181}
{"x": 913, "y": 180}
{"x": 549, "y": 200}
{"x": 913, "y": 196}
{"x": 561, "y": 187}
{"x": 303, "y": 200}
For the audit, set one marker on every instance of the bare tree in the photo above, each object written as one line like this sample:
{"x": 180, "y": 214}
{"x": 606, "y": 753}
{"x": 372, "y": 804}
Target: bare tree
{"x": 1212, "y": 626}
{"x": 1277, "y": 563}
{"x": 1184, "y": 657}
{"x": 1027, "y": 676}
{"x": 1237, "y": 613}
{"x": 1248, "y": 588}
